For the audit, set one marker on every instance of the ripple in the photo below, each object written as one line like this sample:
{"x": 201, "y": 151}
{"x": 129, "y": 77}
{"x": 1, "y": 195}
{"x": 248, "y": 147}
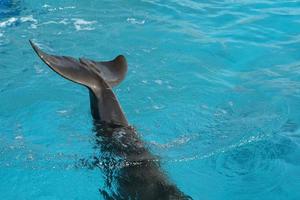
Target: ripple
{"x": 135, "y": 21}
{"x": 83, "y": 25}
{"x": 8, "y": 22}
{"x": 13, "y": 21}
{"x": 257, "y": 164}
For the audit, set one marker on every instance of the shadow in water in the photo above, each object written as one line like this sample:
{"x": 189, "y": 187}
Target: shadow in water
{"x": 130, "y": 170}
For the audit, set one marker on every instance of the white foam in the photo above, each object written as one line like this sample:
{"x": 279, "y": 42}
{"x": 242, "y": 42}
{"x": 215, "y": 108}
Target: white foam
{"x": 181, "y": 140}
{"x": 34, "y": 26}
{"x": 8, "y": 22}
{"x": 62, "y": 111}
{"x": 51, "y": 9}
{"x": 49, "y": 22}
{"x": 135, "y": 21}
{"x": 68, "y": 7}
{"x": 157, "y": 107}
{"x": 28, "y": 18}
{"x": 159, "y": 82}
{"x": 14, "y": 20}
{"x": 83, "y": 25}
{"x": 46, "y": 6}
{"x": 19, "y": 137}
{"x": 63, "y": 21}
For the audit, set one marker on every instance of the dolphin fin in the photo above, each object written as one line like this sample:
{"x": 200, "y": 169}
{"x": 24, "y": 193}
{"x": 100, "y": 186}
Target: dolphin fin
{"x": 113, "y": 72}
{"x": 98, "y": 77}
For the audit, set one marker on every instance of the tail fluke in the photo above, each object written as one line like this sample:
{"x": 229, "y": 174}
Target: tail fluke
{"x": 98, "y": 77}
{"x": 113, "y": 72}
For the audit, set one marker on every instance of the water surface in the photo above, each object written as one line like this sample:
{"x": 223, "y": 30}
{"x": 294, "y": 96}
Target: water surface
{"x": 213, "y": 88}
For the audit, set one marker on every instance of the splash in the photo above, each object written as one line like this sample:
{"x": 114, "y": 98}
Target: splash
{"x": 83, "y": 25}
{"x": 13, "y": 21}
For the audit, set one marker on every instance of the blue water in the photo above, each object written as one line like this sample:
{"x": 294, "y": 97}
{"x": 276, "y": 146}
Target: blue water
{"x": 213, "y": 88}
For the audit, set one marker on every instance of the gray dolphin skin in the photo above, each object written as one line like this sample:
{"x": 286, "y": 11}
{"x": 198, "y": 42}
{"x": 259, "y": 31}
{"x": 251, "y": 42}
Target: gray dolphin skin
{"x": 130, "y": 170}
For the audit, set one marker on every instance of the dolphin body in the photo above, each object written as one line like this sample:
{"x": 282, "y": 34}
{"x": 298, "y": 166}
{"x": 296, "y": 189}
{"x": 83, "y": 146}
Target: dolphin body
{"x": 140, "y": 176}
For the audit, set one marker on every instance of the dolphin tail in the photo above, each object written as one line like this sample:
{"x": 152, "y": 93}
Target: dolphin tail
{"x": 98, "y": 77}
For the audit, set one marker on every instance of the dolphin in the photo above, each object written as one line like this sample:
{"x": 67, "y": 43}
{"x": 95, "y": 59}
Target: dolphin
{"x": 139, "y": 176}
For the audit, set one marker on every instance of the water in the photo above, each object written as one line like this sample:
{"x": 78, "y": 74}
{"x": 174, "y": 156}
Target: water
{"x": 213, "y": 88}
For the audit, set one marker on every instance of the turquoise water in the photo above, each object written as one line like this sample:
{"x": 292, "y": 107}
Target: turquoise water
{"x": 213, "y": 88}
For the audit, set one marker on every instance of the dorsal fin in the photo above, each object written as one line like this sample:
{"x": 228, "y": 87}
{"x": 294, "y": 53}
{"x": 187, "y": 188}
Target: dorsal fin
{"x": 99, "y": 77}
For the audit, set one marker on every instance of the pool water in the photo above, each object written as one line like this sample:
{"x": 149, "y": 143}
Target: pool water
{"x": 213, "y": 88}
